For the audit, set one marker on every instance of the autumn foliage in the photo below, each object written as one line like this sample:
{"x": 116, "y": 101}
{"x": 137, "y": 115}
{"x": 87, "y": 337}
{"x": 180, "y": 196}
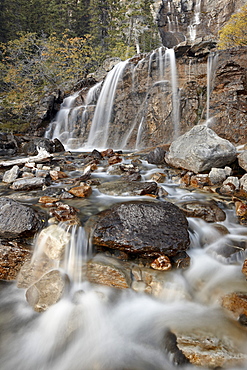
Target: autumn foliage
{"x": 234, "y": 33}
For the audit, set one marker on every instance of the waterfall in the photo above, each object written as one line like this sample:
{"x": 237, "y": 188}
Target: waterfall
{"x": 195, "y": 21}
{"x": 170, "y": 55}
{"x": 98, "y": 134}
{"x": 211, "y": 65}
{"x": 62, "y": 127}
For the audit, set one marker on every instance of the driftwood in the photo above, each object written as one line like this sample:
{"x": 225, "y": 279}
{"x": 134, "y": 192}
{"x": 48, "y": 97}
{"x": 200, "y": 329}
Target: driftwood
{"x": 40, "y": 157}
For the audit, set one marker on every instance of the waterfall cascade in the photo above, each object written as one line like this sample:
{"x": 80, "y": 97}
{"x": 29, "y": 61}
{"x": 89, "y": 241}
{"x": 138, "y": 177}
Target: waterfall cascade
{"x": 117, "y": 124}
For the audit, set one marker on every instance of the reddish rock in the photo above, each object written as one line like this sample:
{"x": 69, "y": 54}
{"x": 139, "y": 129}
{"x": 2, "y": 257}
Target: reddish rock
{"x": 81, "y": 191}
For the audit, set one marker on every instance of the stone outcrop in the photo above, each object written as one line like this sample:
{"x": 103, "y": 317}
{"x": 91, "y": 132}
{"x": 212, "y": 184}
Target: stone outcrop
{"x": 190, "y": 19}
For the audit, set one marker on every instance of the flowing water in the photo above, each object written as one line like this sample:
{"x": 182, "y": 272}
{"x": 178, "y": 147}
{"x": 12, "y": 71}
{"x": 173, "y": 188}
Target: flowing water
{"x": 97, "y": 327}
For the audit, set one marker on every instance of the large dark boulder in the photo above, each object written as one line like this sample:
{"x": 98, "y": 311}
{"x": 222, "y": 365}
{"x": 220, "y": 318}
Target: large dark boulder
{"x": 17, "y": 220}
{"x": 144, "y": 228}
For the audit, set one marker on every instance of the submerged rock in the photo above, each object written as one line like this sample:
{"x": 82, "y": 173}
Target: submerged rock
{"x": 208, "y": 211}
{"x": 200, "y": 149}
{"x": 12, "y": 257}
{"x": 143, "y": 228}
{"x": 128, "y": 188}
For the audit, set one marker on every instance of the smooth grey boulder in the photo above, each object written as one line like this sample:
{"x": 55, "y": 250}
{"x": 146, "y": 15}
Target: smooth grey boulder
{"x": 128, "y": 188}
{"x": 200, "y": 149}
{"x": 142, "y": 228}
{"x": 17, "y": 220}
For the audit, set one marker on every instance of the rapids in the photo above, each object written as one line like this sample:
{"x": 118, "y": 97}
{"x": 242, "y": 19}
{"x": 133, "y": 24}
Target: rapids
{"x": 103, "y": 328}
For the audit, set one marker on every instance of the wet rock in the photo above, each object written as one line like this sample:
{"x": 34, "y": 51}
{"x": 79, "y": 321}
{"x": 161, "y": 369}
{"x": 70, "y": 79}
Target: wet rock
{"x": 29, "y": 183}
{"x": 12, "y": 257}
{"x": 230, "y": 185}
{"x": 114, "y": 159}
{"x": 49, "y": 200}
{"x": 56, "y": 175}
{"x": 11, "y": 175}
{"x": 175, "y": 354}
{"x": 199, "y": 150}
{"x": 30, "y": 147}
{"x": 162, "y": 263}
{"x": 208, "y": 211}
{"x": 180, "y": 260}
{"x": 159, "y": 177}
{"x": 128, "y": 188}
{"x": 81, "y": 191}
{"x": 199, "y": 181}
{"x": 65, "y": 212}
{"x": 156, "y": 156}
{"x": 53, "y": 240}
{"x": 108, "y": 273}
{"x": 17, "y": 219}
{"x": 47, "y": 291}
{"x": 206, "y": 350}
{"x": 236, "y": 303}
{"x": 142, "y": 228}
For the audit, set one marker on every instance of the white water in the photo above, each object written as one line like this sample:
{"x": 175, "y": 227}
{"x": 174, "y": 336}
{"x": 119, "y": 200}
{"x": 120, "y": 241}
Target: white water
{"x": 98, "y": 135}
{"x": 211, "y": 66}
{"x": 62, "y": 127}
{"x": 196, "y": 20}
{"x": 95, "y": 327}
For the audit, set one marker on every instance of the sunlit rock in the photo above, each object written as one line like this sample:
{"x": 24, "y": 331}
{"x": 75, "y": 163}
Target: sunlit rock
{"x": 108, "y": 273}
{"x": 230, "y": 185}
{"x": 235, "y": 303}
{"x": 56, "y": 175}
{"x": 199, "y": 150}
{"x": 12, "y": 257}
{"x": 162, "y": 263}
{"x": 81, "y": 191}
{"x": 53, "y": 240}
{"x": 47, "y": 291}
{"x": 218, "y": 175}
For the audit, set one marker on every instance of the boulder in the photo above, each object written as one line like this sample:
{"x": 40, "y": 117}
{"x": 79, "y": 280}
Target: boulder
{"x": 156, "y": 156}
{"x": 145, "y": 228}
{"x": 18, "y": 220}
{"x": 200, "y": 149}
{"x": 11, "y": 175}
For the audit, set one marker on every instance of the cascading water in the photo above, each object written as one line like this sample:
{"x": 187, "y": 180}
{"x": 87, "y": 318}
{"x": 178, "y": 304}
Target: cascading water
{"x": 97, "y": 327}
{"x": 196, "y": 20}
{"x": 211, "y": 66}
{"x": 98, "y": 135}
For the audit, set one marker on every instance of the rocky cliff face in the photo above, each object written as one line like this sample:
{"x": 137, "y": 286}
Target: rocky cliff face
{"x": 181, "y": 20}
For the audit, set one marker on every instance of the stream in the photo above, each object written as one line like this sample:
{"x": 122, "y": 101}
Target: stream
{"x": 95, "y": 327}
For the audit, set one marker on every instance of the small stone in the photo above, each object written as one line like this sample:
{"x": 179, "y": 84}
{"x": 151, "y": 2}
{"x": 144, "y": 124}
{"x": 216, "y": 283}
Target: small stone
{"x": 56, "y": 175}
{"x": 81, "y": 191}
{"x": 46, "y": 199}
{"x": 162, "y": 263}
{"x": 114, "y": 159}
{"x": 11, "y": 175}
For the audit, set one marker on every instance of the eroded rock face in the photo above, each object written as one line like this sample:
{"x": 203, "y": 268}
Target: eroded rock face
{"x": 199, "y": 150}
{"x": 17, "y": 219}
{"x": 142, "y": 228}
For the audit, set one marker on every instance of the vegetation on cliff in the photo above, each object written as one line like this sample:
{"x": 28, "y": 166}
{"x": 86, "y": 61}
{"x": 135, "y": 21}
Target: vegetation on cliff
{"x": 234, "y": 33}
{"x": 51, "y": 45}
